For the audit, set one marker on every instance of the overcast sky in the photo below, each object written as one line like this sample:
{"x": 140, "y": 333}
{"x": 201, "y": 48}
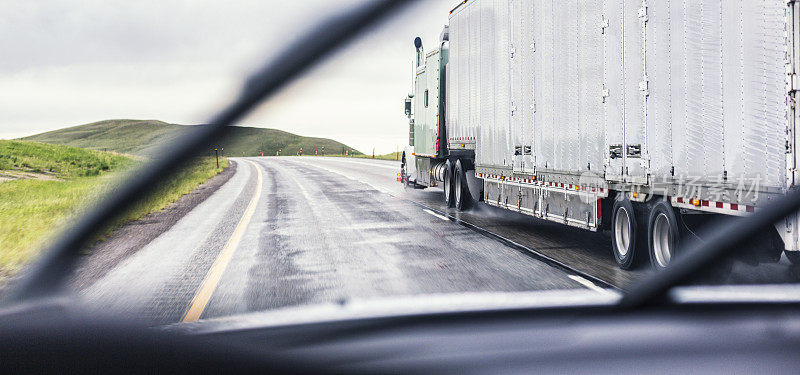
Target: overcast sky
{"x": 67, "y": 62}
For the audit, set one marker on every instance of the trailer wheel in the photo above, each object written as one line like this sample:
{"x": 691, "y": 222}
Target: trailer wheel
{"x": 663, "y": 234}
{"x": 460, "y": 188}
{"x": 447, "y": 184}
{"x": 626, "y": 235}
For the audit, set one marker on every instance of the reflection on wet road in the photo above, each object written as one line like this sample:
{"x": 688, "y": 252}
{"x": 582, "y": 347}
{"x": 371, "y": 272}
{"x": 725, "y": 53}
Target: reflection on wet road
{"x": 330, "y": 230}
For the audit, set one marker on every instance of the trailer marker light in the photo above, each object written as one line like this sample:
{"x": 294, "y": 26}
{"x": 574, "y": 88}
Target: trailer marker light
{"x": 599, "y": 208}
{"x": 695, "y": 202}
{"x": 437, "y": 134}
{"x": 635, "y": 194}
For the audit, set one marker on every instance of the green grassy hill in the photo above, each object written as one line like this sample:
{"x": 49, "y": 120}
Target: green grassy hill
{"x": 56, "y": 161}
{"x": 124, "y": 136}
{"x": 142, "y": 137}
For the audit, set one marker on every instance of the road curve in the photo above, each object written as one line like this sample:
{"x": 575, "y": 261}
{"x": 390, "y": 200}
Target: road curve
{"x": 292, "y": 231}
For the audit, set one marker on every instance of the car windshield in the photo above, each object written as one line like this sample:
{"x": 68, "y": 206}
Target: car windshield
{"x": 450, "y": 152}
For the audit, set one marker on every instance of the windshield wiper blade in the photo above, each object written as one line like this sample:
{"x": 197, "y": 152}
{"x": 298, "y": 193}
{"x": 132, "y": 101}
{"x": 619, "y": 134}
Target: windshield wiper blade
{"x": 719, "y": 243}
{"x": 47, "y": 275}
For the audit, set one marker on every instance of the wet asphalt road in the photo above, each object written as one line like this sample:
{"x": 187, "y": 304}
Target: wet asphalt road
{"x": 586, "y": 252}
{"x": 328, "y": 230}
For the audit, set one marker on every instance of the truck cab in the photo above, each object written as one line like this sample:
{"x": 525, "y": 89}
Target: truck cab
{"x": 425, "y": 108}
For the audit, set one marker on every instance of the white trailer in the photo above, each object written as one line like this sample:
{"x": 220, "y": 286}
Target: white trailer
{"x": 626, "y": 115}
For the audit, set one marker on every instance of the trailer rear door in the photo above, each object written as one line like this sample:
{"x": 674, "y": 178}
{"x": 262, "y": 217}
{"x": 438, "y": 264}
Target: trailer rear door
{"x": 521, "y": 55}
{"x": 613, "y": 89}
{"x": 636, "y": 86}
{"x": 625, "y": 89}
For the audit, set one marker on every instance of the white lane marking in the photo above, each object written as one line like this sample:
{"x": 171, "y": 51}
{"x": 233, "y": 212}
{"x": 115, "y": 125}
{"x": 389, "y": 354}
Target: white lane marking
{"x": 379, "y": 188}
{"x": 203, "y": 294}
{"x": 576, "y": 278}
{"x": 588, "y": 284}
{"x": 429, "y": 212}
{"x": 379, "y": 165}
{"x": 303, "y": 190}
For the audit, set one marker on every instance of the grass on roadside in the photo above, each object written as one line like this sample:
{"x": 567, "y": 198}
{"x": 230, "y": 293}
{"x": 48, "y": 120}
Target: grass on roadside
{"x": 181, "y": 183}
{"x": 58, "y": 161}
{"x": 33, "y": 210}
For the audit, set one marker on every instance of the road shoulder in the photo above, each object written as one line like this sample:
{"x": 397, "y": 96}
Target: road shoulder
{"x": 131, "y": 237}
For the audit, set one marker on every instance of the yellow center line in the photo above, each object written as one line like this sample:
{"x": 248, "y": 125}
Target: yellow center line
{"x": 203, "y": 294}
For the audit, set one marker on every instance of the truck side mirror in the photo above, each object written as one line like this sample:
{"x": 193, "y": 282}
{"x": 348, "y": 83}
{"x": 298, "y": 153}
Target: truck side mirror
{"x": 408, "y": 107}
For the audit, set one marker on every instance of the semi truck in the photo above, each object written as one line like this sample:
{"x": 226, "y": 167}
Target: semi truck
{"x": 629, "y": 116}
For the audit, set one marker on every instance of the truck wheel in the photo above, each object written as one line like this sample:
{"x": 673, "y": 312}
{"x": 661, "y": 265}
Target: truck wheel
{"x": 460, "y": 188}
{"x": 625, "y": 235}
{"x": 447, "y": 184}
{"x": 663, "y": 234}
